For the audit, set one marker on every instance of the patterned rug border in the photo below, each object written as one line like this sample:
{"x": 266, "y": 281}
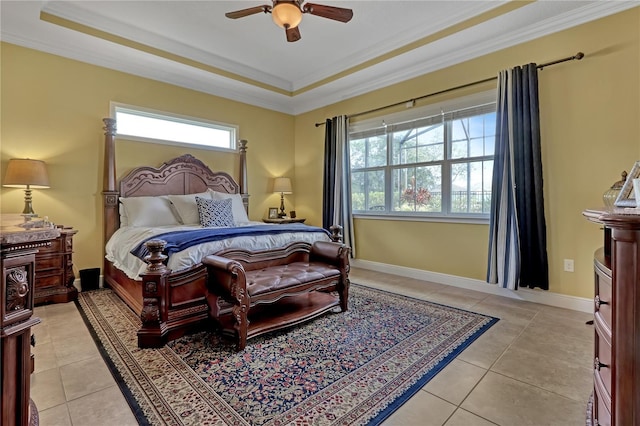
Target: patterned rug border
{"x": 126, "y": 392}
{"x": 142, "y": 419}
{"x": 420, "y": 383}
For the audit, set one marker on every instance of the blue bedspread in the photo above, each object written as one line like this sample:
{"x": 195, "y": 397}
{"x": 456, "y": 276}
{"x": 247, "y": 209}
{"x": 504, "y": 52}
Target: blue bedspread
{"x": 180, "y": 240}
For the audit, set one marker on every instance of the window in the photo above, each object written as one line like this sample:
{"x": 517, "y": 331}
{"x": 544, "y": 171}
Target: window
{"x": 158, "y": 127}
{"x": 426, "y": 164}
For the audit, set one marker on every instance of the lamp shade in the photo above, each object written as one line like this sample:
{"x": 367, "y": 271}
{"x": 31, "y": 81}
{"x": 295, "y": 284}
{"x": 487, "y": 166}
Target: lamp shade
{"x": 23, "y": 172}
{"x": 286, "y": 14}
{"x": 282, "y": 185}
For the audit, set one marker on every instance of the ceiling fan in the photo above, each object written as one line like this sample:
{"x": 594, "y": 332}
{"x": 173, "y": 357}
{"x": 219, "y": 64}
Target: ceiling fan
{"x": 287, "y": 14}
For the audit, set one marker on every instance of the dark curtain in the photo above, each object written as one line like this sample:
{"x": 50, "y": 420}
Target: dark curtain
{"x": 336, "y": 194}
{"x": 518, "y": 242}
{"x": 329, "y": 180}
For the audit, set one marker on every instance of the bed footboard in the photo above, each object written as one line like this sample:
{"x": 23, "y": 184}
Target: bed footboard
{"x": 172, "y": 304}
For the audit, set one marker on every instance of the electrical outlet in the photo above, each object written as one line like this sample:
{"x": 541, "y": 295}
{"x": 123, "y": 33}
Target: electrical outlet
{"x": 568, "y": 265}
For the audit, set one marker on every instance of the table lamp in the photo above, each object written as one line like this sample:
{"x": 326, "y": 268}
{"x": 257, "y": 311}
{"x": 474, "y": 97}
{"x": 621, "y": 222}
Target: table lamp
{"x": 26, "y": 173}
{"x": 283, "y": 186}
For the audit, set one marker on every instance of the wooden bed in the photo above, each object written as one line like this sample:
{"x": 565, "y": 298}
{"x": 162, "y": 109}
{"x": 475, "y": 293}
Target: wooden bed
{"x": 169, "y": 304}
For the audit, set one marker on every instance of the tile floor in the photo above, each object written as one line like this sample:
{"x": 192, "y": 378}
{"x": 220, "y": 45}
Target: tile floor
{"x": 532, "y": 368}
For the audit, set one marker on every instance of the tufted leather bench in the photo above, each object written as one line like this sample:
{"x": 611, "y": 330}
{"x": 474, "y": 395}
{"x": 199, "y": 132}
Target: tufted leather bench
{"x": 251, "y": 293}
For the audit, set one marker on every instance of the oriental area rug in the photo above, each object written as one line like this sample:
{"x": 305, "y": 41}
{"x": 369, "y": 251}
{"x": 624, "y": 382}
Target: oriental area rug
{"x": 345, "y": 368}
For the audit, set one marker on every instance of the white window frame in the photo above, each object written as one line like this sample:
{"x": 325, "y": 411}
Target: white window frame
{"x": 233, "y": 130}
{"x": 471, "y": 101}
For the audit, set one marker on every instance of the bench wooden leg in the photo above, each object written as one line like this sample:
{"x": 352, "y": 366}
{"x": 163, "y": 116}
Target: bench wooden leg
{"x": 343, "y": 292}
{"x": 240, "y": 314}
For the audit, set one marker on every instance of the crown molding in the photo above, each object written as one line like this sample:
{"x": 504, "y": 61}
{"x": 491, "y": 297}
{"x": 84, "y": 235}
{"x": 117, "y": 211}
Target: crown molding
{"x": 408, "y": 36}
{"x": 414, "y": 63}
{"x": 386, "y": 74}
{"x": 76, "y": 15}
{"x": 166, "y": 71}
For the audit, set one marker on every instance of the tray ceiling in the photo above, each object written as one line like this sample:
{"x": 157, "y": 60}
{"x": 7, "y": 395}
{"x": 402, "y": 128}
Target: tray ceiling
{"x": 192, "y": 44}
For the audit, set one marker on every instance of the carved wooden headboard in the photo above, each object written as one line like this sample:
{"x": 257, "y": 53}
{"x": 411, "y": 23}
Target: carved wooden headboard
{"x": 183, "y": 175}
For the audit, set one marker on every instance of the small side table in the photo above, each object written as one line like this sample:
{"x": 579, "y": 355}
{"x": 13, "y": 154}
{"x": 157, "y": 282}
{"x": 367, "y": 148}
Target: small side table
{"x": 286, "y": 220}
{"x": 54, "y": 270}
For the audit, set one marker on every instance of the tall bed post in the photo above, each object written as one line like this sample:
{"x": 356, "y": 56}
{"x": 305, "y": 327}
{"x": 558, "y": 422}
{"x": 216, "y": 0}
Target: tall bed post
{"x": 242, "y": 181}
{"x": 109, "y": 191}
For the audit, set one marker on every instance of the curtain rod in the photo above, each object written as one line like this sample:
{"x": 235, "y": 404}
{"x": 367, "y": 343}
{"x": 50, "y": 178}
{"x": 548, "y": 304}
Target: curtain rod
{"x": 576, "y": 57}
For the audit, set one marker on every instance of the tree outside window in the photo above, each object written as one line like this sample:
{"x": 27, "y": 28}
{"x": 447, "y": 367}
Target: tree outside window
{"x": 439, "y": 165}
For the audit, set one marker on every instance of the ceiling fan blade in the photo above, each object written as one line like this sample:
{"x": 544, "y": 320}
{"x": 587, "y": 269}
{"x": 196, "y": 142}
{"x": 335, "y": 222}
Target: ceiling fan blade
{"x": 246, "y": 12}
{"x": 293, "y": 34}
{"x": 336, "y": 13}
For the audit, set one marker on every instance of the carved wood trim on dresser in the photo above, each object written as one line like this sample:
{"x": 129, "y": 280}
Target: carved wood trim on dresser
{"x": 18, "y": 248}
{"x": 616, "y": 365}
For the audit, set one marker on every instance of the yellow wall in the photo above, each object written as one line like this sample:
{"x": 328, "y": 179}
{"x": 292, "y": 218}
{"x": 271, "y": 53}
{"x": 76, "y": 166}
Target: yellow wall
{"x": 590, "y": 132}
{"x": 52, "y": 110}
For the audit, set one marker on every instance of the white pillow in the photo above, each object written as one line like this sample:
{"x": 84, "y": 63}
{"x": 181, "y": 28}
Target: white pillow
{"x": 186, "y": 207}
{"x": 149, "y": 211}
{"x": 239, "y": 213}
{"x": 124, "y": 220}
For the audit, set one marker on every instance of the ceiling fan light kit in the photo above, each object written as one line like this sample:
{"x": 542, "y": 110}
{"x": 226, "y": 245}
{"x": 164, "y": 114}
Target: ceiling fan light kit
{"x": 287, "y": 14}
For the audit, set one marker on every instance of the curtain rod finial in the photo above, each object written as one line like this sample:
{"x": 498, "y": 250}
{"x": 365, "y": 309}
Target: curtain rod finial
{"x": 579, "y": 56}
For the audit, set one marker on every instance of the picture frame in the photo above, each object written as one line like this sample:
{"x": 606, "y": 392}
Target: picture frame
{"x": 273, "y": 213}
{"x": 626, "y": 197}
{"x": 292, "y": 214}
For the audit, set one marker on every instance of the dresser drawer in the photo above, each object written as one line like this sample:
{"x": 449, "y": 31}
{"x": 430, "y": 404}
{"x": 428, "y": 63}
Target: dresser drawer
{"x": 44, "y": 280}
{"x": 603, "y": 295}
{"x": 46, "y": 262}
{"x": 601, "y": 413}
{"x": 54, "y": 247}
{"x": 602, "y": 359}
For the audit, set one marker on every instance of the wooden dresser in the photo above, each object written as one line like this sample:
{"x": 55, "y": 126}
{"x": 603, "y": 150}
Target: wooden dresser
{"x": 616, "y": 365}
{"x": 54, "y": 269}
{"x": 18, "y": 248}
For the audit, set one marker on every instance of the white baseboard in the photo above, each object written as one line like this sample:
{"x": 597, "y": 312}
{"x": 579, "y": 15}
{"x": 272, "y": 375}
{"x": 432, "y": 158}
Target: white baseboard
{"x": 537, "y": 296}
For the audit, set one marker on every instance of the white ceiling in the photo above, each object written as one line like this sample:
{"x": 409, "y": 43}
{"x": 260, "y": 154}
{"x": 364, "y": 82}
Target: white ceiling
{"x": 192, "y": 44}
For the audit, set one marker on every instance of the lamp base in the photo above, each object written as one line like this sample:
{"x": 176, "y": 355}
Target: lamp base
{"x": 28, "y": 207}
{"x": 28, "y": 216}
{"x": 282, "y": 214}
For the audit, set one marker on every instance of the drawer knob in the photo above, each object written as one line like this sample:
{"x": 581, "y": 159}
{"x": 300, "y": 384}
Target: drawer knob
{"x": 597, "y": 364}
{"x": 600, "y": 302}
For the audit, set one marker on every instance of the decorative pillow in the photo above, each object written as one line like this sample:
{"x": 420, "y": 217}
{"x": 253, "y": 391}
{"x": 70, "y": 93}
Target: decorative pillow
{"x": 149, "y": 211}
{"x": 186, "y": 207}
{"x": 216, "y": 213}
{"x": 239, "y": 213}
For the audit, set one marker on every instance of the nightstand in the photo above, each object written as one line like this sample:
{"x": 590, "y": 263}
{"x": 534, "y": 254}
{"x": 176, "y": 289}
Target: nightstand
{"x": 285, "y": 220}
{"x": 54, "y": 269}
